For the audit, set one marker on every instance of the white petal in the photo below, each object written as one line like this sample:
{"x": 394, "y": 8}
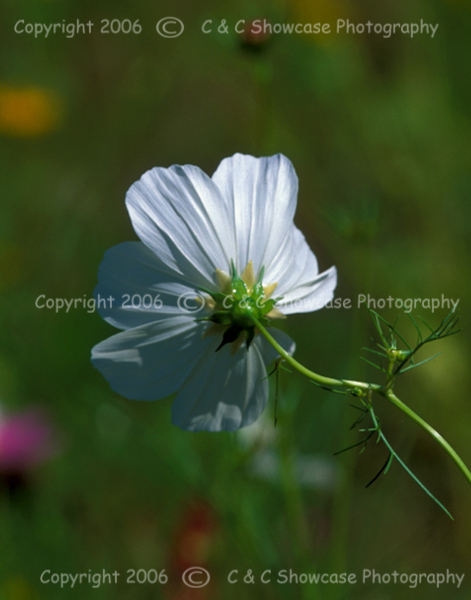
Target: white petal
{"x": 300, "y": 285}
{"x": 152, "y": 361}
{"x": 224, "y": 392}
{"x": 269, "y": 354}
{"x": 289, "y": 263}
{"x": 310, "y": 295}
{"x": 133, "y": 291}
{"x": 261, "y": 196}
{"x": 179, "y": 213}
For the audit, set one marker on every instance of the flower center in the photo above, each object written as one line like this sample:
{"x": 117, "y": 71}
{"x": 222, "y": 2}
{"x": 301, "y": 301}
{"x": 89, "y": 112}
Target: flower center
{"x": 242, "y": 298}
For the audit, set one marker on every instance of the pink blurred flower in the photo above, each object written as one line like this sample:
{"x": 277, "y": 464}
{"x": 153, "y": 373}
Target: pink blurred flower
{"x": 26, "y": 439}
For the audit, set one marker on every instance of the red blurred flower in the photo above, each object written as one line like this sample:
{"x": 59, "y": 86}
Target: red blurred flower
{"x": 194, "y": 541}
{"x": 255, "y": 36}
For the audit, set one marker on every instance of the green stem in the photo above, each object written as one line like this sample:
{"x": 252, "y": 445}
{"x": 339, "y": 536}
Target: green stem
{"x": 389, "y": 394}
{"x": 314, "y": 376}
{"x": 386, "y": 392}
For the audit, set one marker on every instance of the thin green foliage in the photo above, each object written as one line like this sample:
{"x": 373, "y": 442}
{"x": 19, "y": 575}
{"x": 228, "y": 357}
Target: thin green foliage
{"x": 400, "y": 361}
{"x": 392, "y": 454}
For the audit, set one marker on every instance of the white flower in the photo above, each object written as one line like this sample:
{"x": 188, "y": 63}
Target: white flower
{"x": 197, "y": 233}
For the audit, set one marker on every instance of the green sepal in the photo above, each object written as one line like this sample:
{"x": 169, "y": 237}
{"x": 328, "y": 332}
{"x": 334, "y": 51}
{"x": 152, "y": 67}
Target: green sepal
{"x": 258, "y": 291}
{"x": 267, "y": 305}
{"x": 218, "y": 297}
{"x": 250, "y": 336}
{"x": 238, "y": 287}
{"x": 265, "y": 322}
{"x": 221, "y": 317}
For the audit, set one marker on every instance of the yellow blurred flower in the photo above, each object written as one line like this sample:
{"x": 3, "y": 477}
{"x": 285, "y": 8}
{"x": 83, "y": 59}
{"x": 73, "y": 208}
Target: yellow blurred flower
{"x": 28, "y": 111}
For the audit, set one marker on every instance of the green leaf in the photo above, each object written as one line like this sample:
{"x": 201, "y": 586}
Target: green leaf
{"x": 383, "y": 354}
{"x": 419, "y": 333}
{"x": 384, "y": 468}
{"x": 404, "y": 466}
{"x": 413, "y": 366}
{"x": 376, "y": 317}
{"x": 372, "y": 364}
{"x": 426, "y": 324}
{"x": 392, "y": 328}
{"x": 363, "y": 441}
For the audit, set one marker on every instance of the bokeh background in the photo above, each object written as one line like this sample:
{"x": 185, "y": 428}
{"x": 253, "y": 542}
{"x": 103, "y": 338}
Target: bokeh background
{"x": 379, "y": 132}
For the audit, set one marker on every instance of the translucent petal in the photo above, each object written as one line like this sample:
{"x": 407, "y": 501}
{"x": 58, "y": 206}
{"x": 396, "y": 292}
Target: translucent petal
{"x": 151, "y": 361}
{"x": 300, "y": 285}
{"x": 269, "y": 354}
{"x": 224, "y": 392}
{"x": 179, "y": 213}
{"x": 310, "y": 295}
{"x": 260, "y": 194}
{"x": 289, "y": 263}
{"x": 133, "y": 291}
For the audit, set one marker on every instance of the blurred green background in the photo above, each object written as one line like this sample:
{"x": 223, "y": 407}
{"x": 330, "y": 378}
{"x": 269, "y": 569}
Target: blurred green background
{"x": 379, "y": 132}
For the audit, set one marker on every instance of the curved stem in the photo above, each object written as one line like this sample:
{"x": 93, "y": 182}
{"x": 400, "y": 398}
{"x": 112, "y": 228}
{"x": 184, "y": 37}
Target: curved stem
{"x": 304, "y": 371}
{"x": 385, "y": 391}
{"x": 389, "y": 394}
